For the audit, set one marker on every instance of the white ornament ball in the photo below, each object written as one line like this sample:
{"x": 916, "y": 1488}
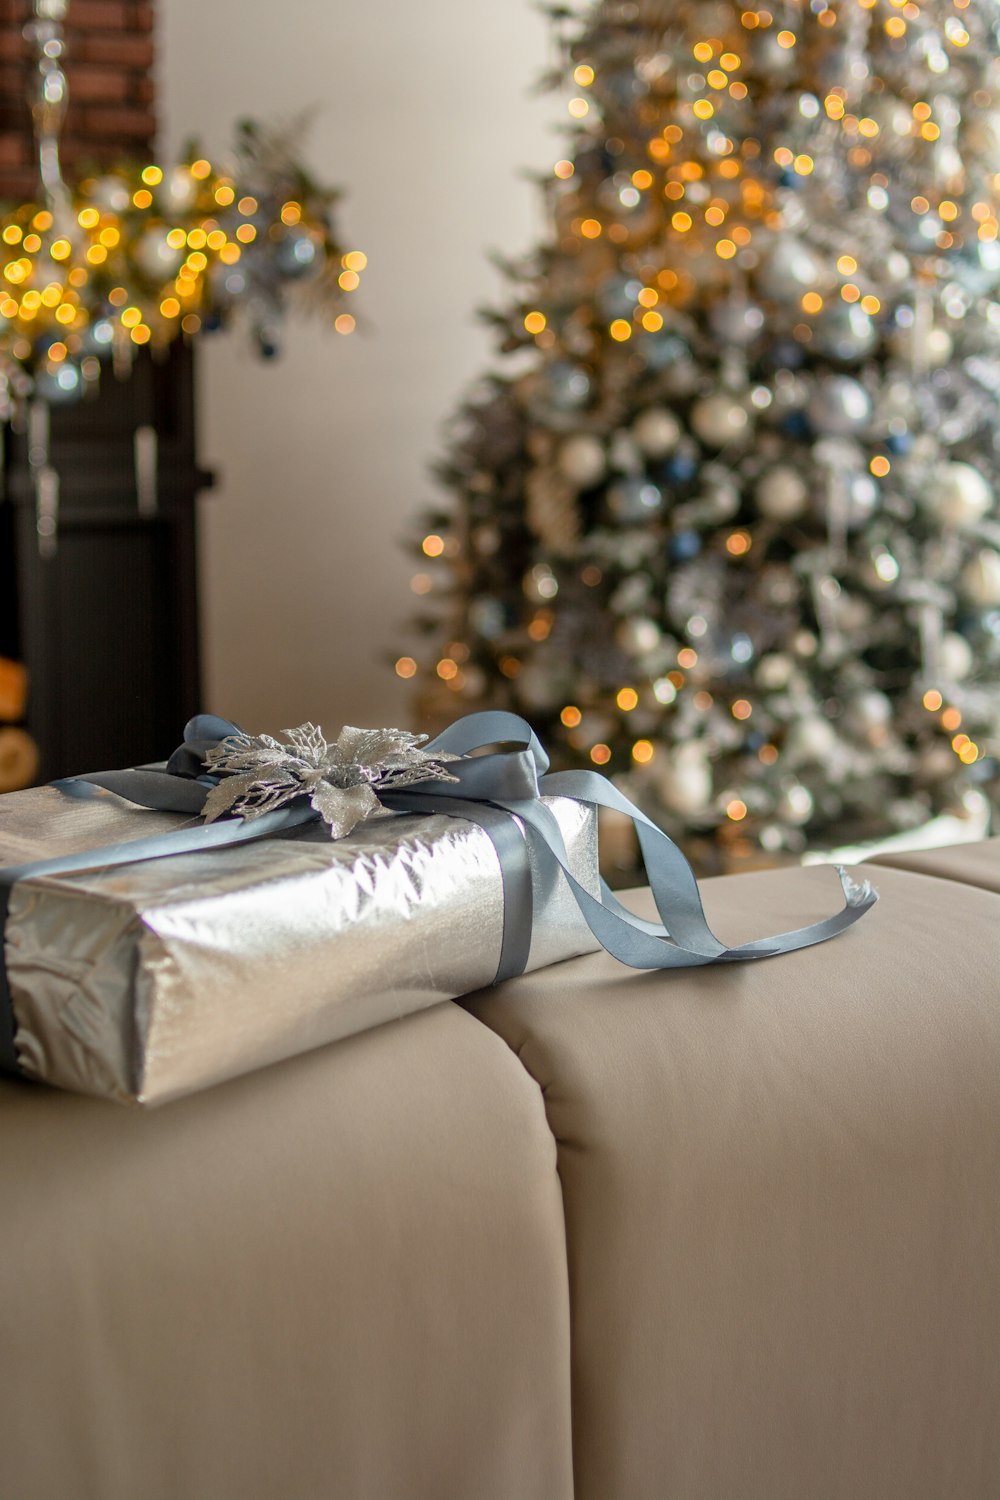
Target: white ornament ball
{"x": 869, "y": 709}
{"x": 178, "y": 190}
{"x": 111, "y": 193}
{"x": 869, "y": 717}
{"x": 685, "y": 781}
{"x": 810, "y": 738}
{"x": 583, "y": 460}
{"x": 960, "y": 495}
{"x": 624, "y": 456}
{"x": 639, "y": 636}
{"x": 154, "y": 256}
{"x": 981, "y": 578}
{"x": 936, "y": 763}
{"x": 956, "y": 659}
{"x": 781, "y": 494}
{"x": 657, "y": 432}
{"x": 931, "y": 347}
{"x": 790, "y": 269}
{"x": 839, "y": 405}
{"x": 474, "y": 681}
{"x": 774, "y": 672}
{"x": 720, "y": 419}
{"x": 535, "y": 687}
{"x": 795, "y": 804}
{"x": 736, "y": 321}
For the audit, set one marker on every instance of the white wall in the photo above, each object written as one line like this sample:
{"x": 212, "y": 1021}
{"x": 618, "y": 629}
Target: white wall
{"x": 427, "y": 118}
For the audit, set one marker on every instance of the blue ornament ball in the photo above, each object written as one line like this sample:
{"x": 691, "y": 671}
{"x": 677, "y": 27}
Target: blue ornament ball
{"x": 679, "y": 468}
{"x": 684, "y": 546}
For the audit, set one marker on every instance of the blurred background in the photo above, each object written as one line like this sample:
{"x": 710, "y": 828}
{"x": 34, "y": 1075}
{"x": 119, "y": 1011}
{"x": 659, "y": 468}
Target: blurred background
{"x": 714, "y": 499}
{"x": 425, "y": 116}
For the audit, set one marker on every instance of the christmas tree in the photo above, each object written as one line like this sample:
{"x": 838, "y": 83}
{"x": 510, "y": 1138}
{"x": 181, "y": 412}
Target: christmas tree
{"x": 725, "y": 519}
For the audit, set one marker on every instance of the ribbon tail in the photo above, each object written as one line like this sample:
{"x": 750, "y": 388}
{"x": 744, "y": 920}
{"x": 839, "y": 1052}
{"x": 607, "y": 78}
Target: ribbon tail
{"x": 671, "y": 879}
{"x": 631, "y": 939}
{"x": 859, "y": 897}
{"x": 691, "y": 942}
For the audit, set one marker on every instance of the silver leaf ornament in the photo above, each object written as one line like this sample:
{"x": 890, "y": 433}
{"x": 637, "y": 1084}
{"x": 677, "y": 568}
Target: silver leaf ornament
{"x": 259, "y": 774}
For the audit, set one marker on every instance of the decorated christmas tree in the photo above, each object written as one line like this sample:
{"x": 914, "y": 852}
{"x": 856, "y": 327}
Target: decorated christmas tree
{"x": 725, "y": 517}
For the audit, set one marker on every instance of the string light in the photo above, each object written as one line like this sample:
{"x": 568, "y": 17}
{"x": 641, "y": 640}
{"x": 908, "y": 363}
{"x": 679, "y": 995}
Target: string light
{"x": 124, "y": 245}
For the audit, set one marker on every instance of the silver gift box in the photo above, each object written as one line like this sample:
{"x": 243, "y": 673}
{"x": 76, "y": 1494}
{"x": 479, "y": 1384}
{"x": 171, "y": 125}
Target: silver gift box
{"x": 151, "y": 980}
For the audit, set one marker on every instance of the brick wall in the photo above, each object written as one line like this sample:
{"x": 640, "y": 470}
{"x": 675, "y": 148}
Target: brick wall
{"x": 108, "y": 61}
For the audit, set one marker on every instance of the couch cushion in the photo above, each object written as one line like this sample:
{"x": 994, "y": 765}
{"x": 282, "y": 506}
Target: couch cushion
{"x": 973, "y": 864}
{"x": 341, "y": 1276}
{"x": 780, "y": 1183}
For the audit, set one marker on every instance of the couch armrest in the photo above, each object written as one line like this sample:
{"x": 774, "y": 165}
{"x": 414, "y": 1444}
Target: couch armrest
{"x": 341, "y": 1276}
{"x": 971, "y": 864}
{"x": 781, "y": 1193}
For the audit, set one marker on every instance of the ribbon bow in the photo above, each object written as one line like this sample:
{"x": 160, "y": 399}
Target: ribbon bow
{"x": 500, "y": 791}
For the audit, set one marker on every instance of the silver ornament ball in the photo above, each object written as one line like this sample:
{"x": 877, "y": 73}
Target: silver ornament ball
{"x": 736, "y": 321}
{"x": 960, "y": 496}
{"x": 634, "y": 499}
{"x": 839, "y": 404}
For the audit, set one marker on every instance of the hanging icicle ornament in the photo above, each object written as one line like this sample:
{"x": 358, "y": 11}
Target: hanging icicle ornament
{"x": 143, "y": 254}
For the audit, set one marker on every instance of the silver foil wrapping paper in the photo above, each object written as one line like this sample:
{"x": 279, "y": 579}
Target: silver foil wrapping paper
{"x": 148, "y": 981}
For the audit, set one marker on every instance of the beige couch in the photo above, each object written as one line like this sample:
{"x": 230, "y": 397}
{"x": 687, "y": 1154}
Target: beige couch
{"x": 726, "y": 1234}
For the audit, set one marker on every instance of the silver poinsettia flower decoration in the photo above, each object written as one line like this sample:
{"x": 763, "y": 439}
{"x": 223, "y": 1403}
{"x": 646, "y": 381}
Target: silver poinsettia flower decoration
{"x": 259, "y": 774}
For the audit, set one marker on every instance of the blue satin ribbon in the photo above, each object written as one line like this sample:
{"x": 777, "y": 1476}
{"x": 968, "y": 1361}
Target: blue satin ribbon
{"x": 500, "y": 791}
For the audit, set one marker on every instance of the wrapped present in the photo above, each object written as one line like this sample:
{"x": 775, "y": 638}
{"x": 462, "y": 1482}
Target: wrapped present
{"x": 172, "y": 926}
